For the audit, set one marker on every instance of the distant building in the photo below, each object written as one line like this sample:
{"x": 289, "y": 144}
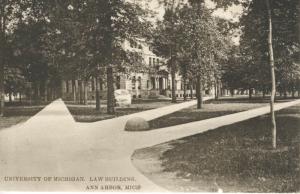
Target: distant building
{"x": 153, "y": 83}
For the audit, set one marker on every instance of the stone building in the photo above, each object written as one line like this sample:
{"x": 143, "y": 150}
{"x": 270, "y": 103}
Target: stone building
{"x": 153, "y": 83}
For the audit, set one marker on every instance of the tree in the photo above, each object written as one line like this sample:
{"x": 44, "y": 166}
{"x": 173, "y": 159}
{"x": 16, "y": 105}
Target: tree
{"x": 274, "y": 36}
{"x": 118, "y": 21}
{"x": 165, "y": 39}
{"x": 6, "y": 15}
{"x": 202, "y": 41}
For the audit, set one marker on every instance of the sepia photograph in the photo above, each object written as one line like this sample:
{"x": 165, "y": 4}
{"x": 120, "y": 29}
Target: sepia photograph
{"x": 150, "y": 96}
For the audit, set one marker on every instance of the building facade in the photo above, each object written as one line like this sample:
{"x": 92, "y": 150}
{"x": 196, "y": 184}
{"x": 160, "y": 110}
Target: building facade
{"x": 155, "y": 82}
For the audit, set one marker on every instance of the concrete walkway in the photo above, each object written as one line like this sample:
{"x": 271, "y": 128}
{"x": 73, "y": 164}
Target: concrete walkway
{"x": 53, "y": 144}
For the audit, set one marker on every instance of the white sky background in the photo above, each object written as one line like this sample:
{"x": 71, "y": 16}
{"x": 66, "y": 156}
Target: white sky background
{"x": 232, "y": 13}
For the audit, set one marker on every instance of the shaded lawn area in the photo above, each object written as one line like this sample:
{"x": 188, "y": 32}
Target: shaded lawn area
{"x": 254, "y": 99}
{"x": 235, "y": 158}
{"x": 88, "y": 113}
{"x": 15, "y": 113}
{"x": 211, "y": 109}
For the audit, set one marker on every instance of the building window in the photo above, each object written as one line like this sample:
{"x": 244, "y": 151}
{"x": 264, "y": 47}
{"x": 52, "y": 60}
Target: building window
{"x": 118, "y": 82}
{"x": 153, "y": 61}
{"x": 157, "y": 61}
{"x": 150, "y": 61}
{"x": 133, "y": 81}
{"x": 148, "y": 84}
{"x": 153, "y": 82}
{"x": 139, "y": 83}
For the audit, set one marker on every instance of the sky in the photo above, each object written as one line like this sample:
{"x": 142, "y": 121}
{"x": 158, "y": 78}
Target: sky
{"x": 231, "y": 14}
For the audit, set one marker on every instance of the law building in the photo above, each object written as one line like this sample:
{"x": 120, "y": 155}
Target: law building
{"x": 153, "y": 83}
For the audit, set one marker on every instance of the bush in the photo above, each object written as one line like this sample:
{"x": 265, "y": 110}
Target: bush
{"x": 137, "y": 124}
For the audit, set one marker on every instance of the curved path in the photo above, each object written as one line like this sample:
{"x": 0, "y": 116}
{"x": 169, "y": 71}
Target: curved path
{"x": 53, "y": 144}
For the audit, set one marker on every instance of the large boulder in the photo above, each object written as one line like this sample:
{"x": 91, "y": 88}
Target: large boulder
{"x": 137, "y": 124}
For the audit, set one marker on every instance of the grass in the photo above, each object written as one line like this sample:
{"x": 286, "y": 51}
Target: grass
{"x": 15, "y": 113}
{"x": 211, "y": 109}
{"x": 88, "y": 113}
{"x": 235, "y": 158}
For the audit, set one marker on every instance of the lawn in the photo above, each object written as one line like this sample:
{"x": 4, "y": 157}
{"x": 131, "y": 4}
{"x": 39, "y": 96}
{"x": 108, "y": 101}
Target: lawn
{"x": 211, "y": 109}
{"x": 87, "y": 113}
{"x": 16, "y": 113}
{"x": 235, "y": 158}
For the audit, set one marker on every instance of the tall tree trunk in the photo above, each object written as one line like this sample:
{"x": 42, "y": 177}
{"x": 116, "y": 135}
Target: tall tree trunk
{"x": 10, "y": 97}
{"x": 74, "y": 90}
{"x": 80, "y": 86}
{"x": 173, "y": 74}
{"x": 191, "y": 88}
{"x": 184, "y": 88}
{"x": 272, "y": 69}
{"x": 199, "y": 92}
{"x": 97, "y": 94}
{"x": 38, "y": 92}
{"x": 263, "y": 91}
{"x": 250, "y": 93}
{"x": 171, "y": 55}
{"x": 217, "y": 89}
{"x": 232, "y": 92}
{"x": 46, "y": 91}
{"x": 110, "y": 90}
{"x": 293, "y": 90}
{"x": 1, "y": 85}
{"x": 284, "y": 91}
{"x": 85, "y": 92}
{"x": 20, "y": 96}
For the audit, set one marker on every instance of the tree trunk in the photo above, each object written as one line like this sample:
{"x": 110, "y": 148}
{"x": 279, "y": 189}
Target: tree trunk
{"x": 171, "y": 55}
{"x": 30, "y": 94}
{"x": 173, "y": 80}
{"x": 293, "y": 90}
{"x": 1, "y": 87}
{"x": 85, "y": 93}
{"x": 217, "y": 90}
{"x": 80, "y": 92}
{"x": 191, "y": 89}
{"x": 284, "y": 91}
{"x": 10, "y": 97}
{"x": 97, "y": 94}
{"x": 20, "y": 97}
{"x": 35, "y": 92}
{"x": 264, "y": 93}
{"x": 184, "y": 89}
{"x": 272, "y": 69}
{"x": 74, "y": 90}
{"x": 250, "y": 93}
{"x": 199, "y": 93}
{"x": 46, "y": 92}
{"x": 110, "y": 90}
{"x": 232, "y": 92}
